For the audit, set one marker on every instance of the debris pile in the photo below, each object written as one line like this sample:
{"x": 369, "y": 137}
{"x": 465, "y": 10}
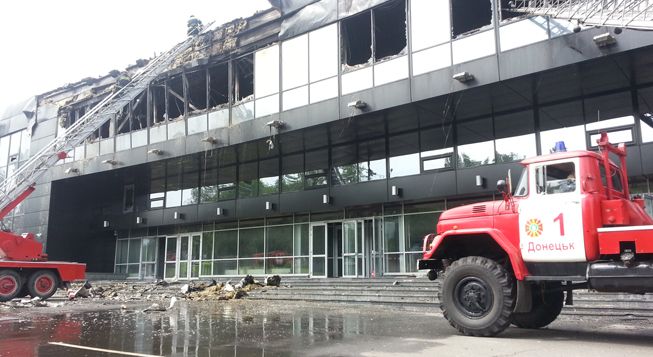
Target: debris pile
{"x": 33, "y": 302}
{"x": 226, "y": 291}
{"x": 157, "y": 293}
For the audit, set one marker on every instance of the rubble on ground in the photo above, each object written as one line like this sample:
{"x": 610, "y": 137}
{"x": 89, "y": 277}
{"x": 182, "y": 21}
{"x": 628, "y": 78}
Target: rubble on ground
{"x": 157, "y": 293}
{"x": 227, "y": 291}
{"x": 26, "y": 303}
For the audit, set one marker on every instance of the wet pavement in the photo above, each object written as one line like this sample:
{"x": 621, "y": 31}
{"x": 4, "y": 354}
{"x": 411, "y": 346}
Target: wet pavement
{"x": 262, "y": 328}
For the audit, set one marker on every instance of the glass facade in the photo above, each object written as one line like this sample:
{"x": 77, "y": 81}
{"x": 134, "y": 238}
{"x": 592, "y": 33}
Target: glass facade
{"x": 283, "y": 245}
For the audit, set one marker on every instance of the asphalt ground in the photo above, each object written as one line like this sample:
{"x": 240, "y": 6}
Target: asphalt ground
{"x": 274, "y": 328}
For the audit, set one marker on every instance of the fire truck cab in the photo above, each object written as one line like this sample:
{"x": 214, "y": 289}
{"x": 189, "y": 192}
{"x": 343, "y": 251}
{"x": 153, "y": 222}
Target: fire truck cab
{"x": 570, "y": 224}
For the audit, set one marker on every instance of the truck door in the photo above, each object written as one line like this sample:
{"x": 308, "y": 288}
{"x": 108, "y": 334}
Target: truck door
{"x": 550, "y": 219}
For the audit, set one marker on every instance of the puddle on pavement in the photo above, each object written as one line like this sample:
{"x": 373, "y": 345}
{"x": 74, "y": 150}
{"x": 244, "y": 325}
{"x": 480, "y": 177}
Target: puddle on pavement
{"x": 195, "y": 329}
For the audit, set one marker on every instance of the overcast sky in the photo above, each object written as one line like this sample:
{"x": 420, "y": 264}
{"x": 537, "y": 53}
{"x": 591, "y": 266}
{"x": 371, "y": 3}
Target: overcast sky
{"x": 45, "y": 44}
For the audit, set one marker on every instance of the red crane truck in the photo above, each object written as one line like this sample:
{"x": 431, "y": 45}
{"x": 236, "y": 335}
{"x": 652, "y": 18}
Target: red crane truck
{"x": 570, "y": 224}
{"x": 25, "y": 269}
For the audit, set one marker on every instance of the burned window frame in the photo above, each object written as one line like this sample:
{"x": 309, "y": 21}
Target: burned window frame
{"x": 347, "y": 24}
{"x": 469, "y": 29}
{"x": 239, "y": 66}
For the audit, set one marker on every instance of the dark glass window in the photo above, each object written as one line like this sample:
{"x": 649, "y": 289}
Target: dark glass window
{"x": 292, "y": 169}
{"x": 371, "y": 160}
{"x": 209, "y": 177}
{"x": 317, "y": 166}
{"x": 227, "y": 182}
{"x": 269, "y": 176}
{"x": 190, "y": 181}
{"x": 248, "y": 180}
{"x": 344, "y": 167}
{"x": 404, "y": 155}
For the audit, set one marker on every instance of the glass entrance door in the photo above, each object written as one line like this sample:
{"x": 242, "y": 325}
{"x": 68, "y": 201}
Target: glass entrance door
{"x": 317, "y": 250}
{"x": 352, "y": 249}
{"x": 148, "y": 258}
{"x": 183, "y": 257}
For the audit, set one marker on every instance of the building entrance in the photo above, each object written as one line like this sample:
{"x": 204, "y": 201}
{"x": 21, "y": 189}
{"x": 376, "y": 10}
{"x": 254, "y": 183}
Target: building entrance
{"x": 182, "y": 258}
{"x": 353, "y": 248}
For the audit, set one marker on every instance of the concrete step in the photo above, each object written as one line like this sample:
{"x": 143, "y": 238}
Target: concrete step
{"x": 348, "y": 298}
{"x": 372, "y": 292}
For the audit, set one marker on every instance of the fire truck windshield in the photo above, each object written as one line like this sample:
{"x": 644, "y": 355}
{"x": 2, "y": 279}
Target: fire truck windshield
{"x": 522, "y": 186}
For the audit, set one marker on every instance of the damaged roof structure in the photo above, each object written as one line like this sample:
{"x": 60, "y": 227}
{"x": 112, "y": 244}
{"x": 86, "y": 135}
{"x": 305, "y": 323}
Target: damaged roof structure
{"x": 315, "y": 118}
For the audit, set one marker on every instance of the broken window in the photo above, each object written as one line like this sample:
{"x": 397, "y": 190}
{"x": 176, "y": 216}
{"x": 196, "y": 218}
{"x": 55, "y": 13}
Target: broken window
{"x": 139, "y": 112}
{"x": 158, "y": 103}
{"x": 105, "y": 130}
{"x": 175, "y": 98}
{"x": 219, "y": 86}
{"x": 469, "y": 16}
{"x": 389, "y": 30}
{"x": 123, "y": 120}
{"x": 506, "y": 10}
{"x": 196, "y": 90}
{"x": 243, "y": 78}
{"x": 357, "y": 39}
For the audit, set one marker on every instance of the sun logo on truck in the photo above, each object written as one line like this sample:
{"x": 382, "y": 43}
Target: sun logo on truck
{"x": 533, "y": 228}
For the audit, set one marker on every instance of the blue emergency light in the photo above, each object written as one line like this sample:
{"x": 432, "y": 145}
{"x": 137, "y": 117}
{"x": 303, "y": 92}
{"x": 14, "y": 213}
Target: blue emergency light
{"x": 559, "y": 147}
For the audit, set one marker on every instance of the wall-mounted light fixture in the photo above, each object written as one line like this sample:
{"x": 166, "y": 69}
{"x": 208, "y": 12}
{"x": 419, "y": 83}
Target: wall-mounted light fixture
{"x": 358, "y": 104}
{"x": 480, "y": 181}
{"x": 219, "y": 211}
{"x": 110, "y": 162}
{"x": 177, "y": 215}
{"x": 463, "y": 77}
{"x": 604, "y": 40}
{"x": 105, "y": 224}
{"x": 210, "y": 140}
{"x": 326, "y": 199}
{"x": 395, "y": 191}
{"x": 277, "y": 124}
{"x": 155, "y": 152}
{"x": 268, "y": 205}
{"x": 72, "y": 170}
{"x": 139, "y": 220}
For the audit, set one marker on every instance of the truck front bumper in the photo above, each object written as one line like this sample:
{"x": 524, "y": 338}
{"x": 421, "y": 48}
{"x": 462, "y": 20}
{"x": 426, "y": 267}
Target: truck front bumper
{"x": 428, "y": 264}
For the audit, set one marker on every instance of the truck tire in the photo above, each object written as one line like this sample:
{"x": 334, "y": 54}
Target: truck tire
{"x": 10, "y": 285}
{"x": 548, "y": 300}
{"x": 42, "y": 284}
{"x": 477, "y": 296}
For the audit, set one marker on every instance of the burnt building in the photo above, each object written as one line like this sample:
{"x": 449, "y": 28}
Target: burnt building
{"x": 324, "y": 138}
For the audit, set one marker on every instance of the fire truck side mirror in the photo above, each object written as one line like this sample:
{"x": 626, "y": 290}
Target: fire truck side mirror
{"x": 502, "y": 186}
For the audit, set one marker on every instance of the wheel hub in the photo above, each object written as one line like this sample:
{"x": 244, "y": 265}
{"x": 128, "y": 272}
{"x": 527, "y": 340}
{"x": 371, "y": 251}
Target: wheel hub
{"x": 473, "y": 297}
{"x": 43, "y": 284}
{"x": 7, "y": 285}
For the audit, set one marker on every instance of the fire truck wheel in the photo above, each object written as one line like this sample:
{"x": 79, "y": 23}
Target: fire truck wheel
{"x": 10, "y": 284}
{"x": 548, "y": 299}
{"x": 477, "y": 296}
{"x": 42, "y": 283}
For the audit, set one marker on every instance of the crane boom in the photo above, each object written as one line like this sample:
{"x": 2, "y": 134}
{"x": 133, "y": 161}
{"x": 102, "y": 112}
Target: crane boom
{"x": 14, "y": 187}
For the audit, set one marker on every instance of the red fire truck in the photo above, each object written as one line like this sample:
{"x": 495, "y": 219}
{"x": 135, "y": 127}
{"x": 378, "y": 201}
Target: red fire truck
{"x": 570, "y": 224}
{"x": 25, "y": 269}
